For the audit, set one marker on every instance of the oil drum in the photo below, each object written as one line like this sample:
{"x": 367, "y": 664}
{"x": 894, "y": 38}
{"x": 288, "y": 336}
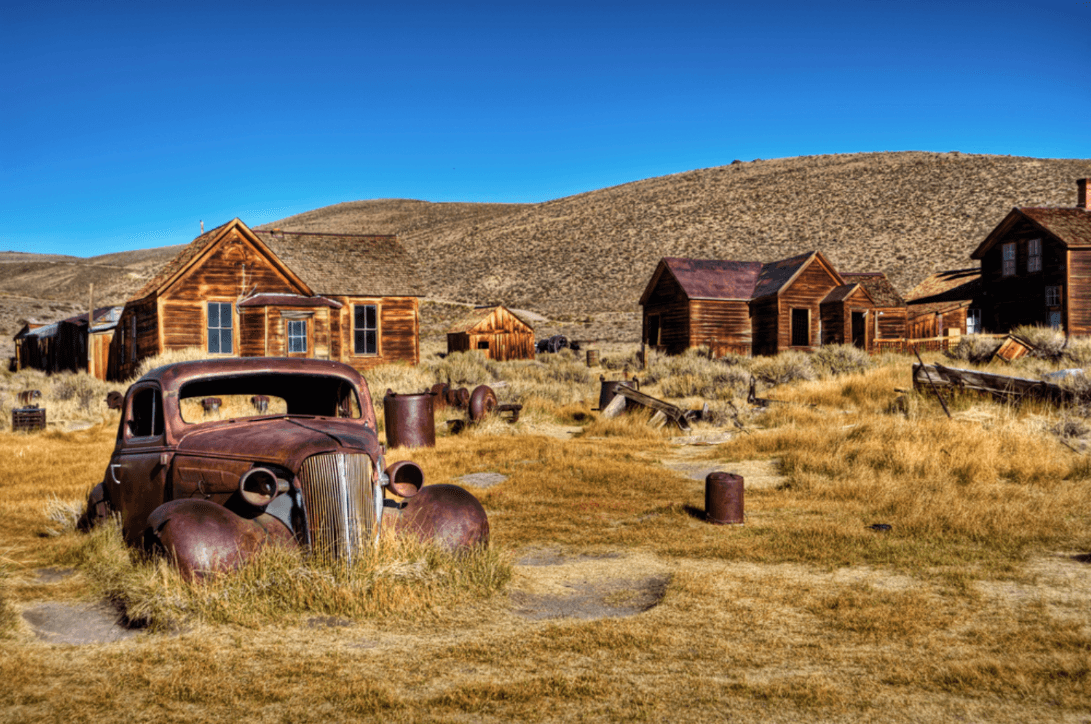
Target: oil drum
{"x": 724, "y": 498}
{"x": 409, "y": 420}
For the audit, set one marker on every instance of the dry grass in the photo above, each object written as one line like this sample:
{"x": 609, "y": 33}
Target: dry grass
{"x": 973, "y": 604}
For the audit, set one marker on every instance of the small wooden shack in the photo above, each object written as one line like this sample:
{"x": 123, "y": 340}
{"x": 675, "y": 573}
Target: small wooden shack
{"x": 889, "y": 318}
{"x": 844, "y": 313}
{"x": 946, "y": 303}
{"x": 66, "y": 345}
{"x": 497, "y": 331}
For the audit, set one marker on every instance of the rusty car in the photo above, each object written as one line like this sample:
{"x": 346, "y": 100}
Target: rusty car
{"x": 215, "y": 459}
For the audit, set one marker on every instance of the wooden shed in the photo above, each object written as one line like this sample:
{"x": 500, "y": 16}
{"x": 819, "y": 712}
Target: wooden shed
{"x": 946, "y": 303}
{"x": 234, "y": 291}
{"x": 497, "y": 331}
{"x": 889, "y": 319}
{"x": 67, "y": 345}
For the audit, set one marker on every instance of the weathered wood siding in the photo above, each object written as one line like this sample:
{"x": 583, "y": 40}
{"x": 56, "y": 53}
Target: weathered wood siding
{"x": 1078, "y": 287}
{"x": 671, "y": 306}
{"x": 1020, "y": 298}
{"x": 890, "y": 322}
{"x": 98, "y": 354}
{"x": 721, "y": 325}
{"x": 836, "y": 317}
{"x": 399, "y": 331}
{"x": 806, "y": 291}
{"x": 500, "y": 335}
{"x": 252, "y": 322}
{"x": 129, "y": 350}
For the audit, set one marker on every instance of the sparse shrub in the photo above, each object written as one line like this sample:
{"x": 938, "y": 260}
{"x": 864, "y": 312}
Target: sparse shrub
{"x": 783, "y": 368}
{"x": 1078, "y": 352}
{"x": 974, "y": 348}
{"x": 464, "y": 368}
{"x": 840, "y": 359}
{"x": 1069, "y": 427}
{"x": 1049, "y": 343}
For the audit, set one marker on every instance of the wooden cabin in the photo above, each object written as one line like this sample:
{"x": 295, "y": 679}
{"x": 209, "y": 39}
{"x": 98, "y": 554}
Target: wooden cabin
{"x": 496, "y": 331}
{"x": 67, "y": 345}
{"x": 752, "y": 308}
{"x": 947, "y": 303}
{"x": 889, "y": 317}
{"x": 234, "y": 291}
{"x": 1036, "y": 269}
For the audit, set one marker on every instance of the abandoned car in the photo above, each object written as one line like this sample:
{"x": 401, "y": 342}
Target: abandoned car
{"x": 217, "y": 458}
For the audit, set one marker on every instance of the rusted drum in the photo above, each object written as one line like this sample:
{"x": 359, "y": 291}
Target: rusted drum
{"x": 446, "y": 514}
{"x": 439, "y": 395}
{"x": 482, "y": 403}
{"x": 410, "y": 420}
{"x": 724, "y": 498}
{"x": 592, "y": 358}
{"x": 609, "y": 390}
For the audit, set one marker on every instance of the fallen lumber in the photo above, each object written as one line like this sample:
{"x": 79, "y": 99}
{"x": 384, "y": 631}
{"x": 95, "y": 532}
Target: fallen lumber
{"x": 999, "y": 386}
{"x": 679, "y": 416}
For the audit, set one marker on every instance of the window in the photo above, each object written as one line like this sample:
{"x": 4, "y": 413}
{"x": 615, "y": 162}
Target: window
{"x": 219, "y": 328}
{"x": 1034, "y": 255}
{"x": 973, "y": 321}
{"x": 1009, "y": 259}
{"x": 1053, "y": 296}
{"x": 297, "y": 336}
{"x": 801, "y": 327}
{"x": 365, "y": 329}
{"x": 1055, "y": 320}
{"x": 146, "y": 415}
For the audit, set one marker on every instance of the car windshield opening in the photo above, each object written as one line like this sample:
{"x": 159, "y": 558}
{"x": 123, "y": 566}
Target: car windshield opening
{"x": 241, "y": 396}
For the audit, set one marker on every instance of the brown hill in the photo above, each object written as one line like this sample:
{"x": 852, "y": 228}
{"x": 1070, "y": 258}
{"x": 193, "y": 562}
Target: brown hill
{"x": 584, "y": 260}
{"x": 907, "y": 214}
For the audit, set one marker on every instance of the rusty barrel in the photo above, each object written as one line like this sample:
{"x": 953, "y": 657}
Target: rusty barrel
{"x": 592, "y": 358}
{"x": 409, "y": 420}
{"x": 609, "y": 390}
{"x": 724, "y": 498}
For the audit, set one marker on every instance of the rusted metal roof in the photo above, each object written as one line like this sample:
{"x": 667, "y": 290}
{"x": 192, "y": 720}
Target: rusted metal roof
{"x": 878, "y": 286}
{"x": 288, "y": 300}
{"x": 714, "y": 278}
{"x": 953, "y": 285}
{"x": 1072, "y": 226}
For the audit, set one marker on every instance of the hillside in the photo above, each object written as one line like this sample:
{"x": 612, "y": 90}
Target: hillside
{"x": 583, "y": 260}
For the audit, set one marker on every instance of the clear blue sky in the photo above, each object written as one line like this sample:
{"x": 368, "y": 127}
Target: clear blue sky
{"x": 123, "y": 124}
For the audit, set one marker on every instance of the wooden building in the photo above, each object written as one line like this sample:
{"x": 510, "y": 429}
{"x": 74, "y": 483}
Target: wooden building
{"x": 947, "y": 303}
{"x": 753, "y": 308}
{"x": 1036, "y": 269}
{"x": 67, "y": 345}
{"x": 497, "y": 331}
{"x": 889, "y": 318}
{"x": 234, "y": 291}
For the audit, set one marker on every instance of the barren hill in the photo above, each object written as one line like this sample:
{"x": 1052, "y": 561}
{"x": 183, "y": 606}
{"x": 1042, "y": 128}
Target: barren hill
{"x": 907, "y": 214}
{"x": 584, "y": 260}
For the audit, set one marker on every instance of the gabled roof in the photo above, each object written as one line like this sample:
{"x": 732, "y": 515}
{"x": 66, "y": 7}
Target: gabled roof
{"x": 878, "y": 287}
{"x": 1071, "y": 226}
{"x": 843, "y": 292}
{"x": 475, "y": 317}
{"x": 778, "y": 275}
{"x": 707, "y": 278}
{"x": 374, "y": 265}
{"x": 192, "y": 253}
{"x": 953, "y": 285}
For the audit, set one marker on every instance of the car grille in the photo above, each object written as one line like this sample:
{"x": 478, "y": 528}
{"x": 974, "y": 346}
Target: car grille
{"x": 340, "y": 503}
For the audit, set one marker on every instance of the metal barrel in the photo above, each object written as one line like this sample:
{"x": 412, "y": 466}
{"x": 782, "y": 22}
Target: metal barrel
{"x": 409, "y": 419}
{"x": 724, "y": 498}
{"x": 609, "y": 391}
{"x": 592, "y": 358}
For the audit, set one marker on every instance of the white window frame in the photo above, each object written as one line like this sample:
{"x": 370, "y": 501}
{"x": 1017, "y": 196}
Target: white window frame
{"x": 1034, "y": 255}
{"x": 973, "y": 321}
{"x": 1007, "y": 256}
{"x": 220, "y": 327}
{"x": 365, "y": 329}
{"x": 296, "y": 329}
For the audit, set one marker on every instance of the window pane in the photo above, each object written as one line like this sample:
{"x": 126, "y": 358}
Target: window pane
{"x": 359, "y": 316}
{"x": 370, "y": 343}
{"x": 225, "y": 341}
{"x": 359, "y": 344}
{"x": 214, "y": 341}
{"x": 371, "y": 321}
{"x": 213, "y": 315}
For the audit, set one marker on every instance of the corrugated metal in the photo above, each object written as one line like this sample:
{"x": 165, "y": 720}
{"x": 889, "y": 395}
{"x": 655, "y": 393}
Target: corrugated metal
{"x": 339, "y": 497}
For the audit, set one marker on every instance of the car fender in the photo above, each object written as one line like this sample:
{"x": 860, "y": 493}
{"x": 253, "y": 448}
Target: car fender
{"x": 447, "y": 514}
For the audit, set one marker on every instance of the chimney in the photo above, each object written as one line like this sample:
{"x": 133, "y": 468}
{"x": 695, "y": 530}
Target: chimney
{"x": 1081, "y": 193}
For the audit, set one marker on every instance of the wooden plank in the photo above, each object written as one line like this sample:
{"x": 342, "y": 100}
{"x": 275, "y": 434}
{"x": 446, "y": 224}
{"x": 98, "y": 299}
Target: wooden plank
{"x": 1001, "y": 386}
{"x": 675, "y": 413}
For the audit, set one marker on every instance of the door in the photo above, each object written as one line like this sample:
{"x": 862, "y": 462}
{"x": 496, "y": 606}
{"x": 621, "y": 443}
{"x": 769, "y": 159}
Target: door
{"x": 859, "y": 329}
{"x": 137, "y": 471}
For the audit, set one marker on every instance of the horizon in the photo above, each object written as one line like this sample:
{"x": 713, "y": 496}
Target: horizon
{"x": 130, "y": 124}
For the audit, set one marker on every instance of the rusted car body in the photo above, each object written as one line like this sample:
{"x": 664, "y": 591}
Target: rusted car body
{"x": 212, "y": 484}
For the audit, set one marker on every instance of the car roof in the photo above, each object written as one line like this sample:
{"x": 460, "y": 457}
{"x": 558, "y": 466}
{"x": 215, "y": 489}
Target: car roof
{"x": 175, "y": 375}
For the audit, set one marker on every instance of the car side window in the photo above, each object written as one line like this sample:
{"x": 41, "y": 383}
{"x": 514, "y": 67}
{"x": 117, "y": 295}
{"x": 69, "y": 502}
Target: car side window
{"x": 146, "y": 413}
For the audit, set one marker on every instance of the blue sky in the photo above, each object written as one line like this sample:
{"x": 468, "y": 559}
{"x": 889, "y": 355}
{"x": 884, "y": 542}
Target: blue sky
{"x": 125, "y": 124}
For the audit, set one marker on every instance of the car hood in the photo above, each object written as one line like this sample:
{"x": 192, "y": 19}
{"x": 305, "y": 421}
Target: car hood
{"x": 285, "y": 441}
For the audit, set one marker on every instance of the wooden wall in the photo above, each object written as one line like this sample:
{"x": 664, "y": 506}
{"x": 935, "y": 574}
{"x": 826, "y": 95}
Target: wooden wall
{"x": 504, "y": 335}
{"x": 765, "y": 325}
{"x": 837, "y": 320}
{"x": 890, "y": 322}
{"x": 805, "y": 292}
{"x": 1020, "y": 298}
{"x": 721, "y": 325}
{"x": 124, "y": 359}
{"x": 670, "y": 304}
{"x": 399, "y": 331}
{"x": 1078, "y": 288}
{"x": 98, "y": 354}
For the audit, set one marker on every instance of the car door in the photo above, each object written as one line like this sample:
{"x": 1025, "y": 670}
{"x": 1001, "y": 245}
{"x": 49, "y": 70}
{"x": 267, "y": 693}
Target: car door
{"x": 138, "y": 469}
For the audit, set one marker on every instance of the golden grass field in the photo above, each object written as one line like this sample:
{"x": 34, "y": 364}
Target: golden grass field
{"x": 974, "y": 606}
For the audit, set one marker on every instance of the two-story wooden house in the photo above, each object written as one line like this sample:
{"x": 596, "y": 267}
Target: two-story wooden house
{"x": 1036, "y": 268}
{"x": 234, "y": 291}
{"x": 753, "y": 308}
